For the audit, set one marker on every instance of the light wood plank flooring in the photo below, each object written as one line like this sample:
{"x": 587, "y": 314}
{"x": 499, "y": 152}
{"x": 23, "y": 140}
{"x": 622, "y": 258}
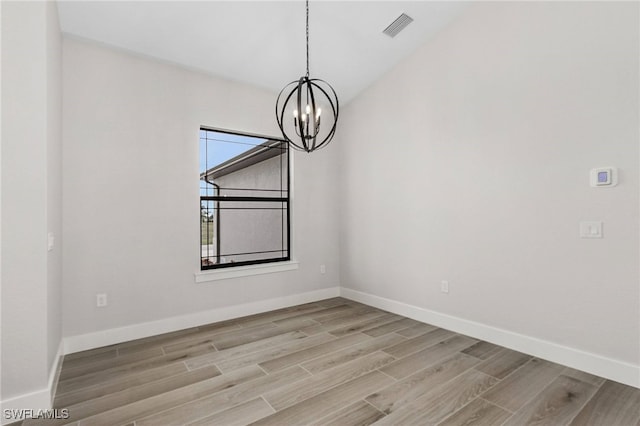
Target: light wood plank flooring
{"x": 333, "y": 362}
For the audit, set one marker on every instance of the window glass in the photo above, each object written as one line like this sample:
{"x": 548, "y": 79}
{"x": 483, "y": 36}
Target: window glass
{"x": 244, "y": 199}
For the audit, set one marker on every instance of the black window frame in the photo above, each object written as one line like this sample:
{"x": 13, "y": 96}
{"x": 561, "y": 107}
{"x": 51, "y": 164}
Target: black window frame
{"x": 286, "y": 201}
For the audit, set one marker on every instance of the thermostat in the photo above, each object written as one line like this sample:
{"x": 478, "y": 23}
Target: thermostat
{"x": 604, "y": 176}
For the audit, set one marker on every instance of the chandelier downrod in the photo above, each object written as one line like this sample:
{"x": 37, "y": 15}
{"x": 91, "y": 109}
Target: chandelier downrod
{"x": 307, "y": 38}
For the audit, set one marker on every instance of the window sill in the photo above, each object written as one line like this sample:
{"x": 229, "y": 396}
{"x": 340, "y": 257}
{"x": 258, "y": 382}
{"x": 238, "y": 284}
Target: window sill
{"x": 244, "y": 271}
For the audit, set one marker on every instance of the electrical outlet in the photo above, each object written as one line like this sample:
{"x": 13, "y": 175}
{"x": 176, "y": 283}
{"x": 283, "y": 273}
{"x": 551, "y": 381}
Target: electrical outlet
{"x": 444, "y": 286}
{"x": 101, "y": 300}
{"x": 323, "y": 269}
{"x": 590, "y": 229}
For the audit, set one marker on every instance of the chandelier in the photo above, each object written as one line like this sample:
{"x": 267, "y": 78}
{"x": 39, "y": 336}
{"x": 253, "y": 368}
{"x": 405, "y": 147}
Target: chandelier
{"x": 301, "y": 103}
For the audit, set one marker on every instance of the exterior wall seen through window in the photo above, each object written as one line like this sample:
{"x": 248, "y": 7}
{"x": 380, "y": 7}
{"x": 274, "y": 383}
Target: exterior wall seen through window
{"x": 244, "y": 199}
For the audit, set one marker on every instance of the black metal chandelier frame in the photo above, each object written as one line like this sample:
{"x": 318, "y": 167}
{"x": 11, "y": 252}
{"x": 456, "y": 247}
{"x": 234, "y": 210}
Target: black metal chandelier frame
{"x": 307, "y": 114}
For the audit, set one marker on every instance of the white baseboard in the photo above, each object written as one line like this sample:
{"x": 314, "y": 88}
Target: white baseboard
{"x": 609, "y": 368}
{"x": 612, "y": 369}
{"x": 137, "y": 331}
{"x": 39, "y": 400}
{"x": 43, "y": 399}
{"x": 54, "y": 374}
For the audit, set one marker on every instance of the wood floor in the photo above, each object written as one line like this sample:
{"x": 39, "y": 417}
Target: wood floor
{"x": 333, "y": 362}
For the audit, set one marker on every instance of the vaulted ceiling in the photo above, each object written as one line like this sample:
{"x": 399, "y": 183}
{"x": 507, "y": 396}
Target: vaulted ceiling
{"x": 263, "y": 42}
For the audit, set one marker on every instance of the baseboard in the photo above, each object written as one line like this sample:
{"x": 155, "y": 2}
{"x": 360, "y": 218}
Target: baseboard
{"x": 15, "y": 407}
{"x": 137, "y": 331}
{"x": 54, "y": 374}
{"x": 612, "y": 369}
{"x": 39, "y": 400}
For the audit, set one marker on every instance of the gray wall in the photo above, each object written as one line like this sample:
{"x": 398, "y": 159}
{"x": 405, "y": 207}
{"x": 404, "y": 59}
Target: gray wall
{"x": 469, "y": 162}
{"x": 31, "y": 201}
{"x": 130, "y": 191}
{"x": 247, "y": 230}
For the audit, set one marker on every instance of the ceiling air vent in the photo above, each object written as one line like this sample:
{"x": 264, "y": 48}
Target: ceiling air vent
{"x": 398, "y": 25}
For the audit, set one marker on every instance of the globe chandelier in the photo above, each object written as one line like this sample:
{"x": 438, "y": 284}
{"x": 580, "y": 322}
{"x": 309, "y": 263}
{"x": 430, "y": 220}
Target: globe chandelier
{"x": 300, "y": 103}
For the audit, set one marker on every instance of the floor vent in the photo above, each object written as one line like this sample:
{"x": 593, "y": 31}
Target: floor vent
{"x": 398, "y": 25}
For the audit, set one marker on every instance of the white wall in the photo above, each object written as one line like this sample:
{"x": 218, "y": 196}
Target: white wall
{"x": 469, "y": 162}
{"x": 1, "y": 116}
{"x": 54, "y": 182}
{"x": 132, "y": 235}
{"x": 31, "y": 204}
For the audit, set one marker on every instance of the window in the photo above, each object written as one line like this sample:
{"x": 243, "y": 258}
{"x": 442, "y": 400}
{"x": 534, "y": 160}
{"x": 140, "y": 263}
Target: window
{"x": 244, "y": 199}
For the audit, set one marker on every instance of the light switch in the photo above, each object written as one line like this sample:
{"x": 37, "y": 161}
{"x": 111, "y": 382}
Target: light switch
{"x": 51, "y": 239}
{"x": 590, "y": 229}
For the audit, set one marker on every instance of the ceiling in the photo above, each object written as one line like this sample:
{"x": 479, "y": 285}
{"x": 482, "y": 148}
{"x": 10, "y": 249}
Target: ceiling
{"x": 263, "y": 42}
